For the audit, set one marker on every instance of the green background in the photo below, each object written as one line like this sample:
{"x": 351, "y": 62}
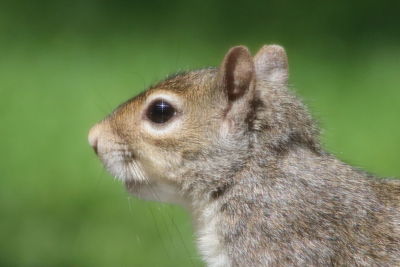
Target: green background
{"x": 65, "y": 64}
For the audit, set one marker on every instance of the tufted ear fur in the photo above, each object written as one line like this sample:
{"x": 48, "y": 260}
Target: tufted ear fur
{"x": 236, "y": 72}
{"x": 271, "y": 65}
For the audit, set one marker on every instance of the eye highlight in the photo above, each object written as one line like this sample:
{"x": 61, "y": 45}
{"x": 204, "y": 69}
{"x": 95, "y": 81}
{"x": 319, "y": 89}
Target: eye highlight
{"x": 160, "y": 111}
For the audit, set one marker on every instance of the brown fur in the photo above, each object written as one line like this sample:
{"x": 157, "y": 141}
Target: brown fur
{"x": 247, "y": 147}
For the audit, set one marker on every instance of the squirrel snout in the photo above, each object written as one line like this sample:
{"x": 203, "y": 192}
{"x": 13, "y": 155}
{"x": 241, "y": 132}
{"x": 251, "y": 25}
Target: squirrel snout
{"x": 94, "y": 137}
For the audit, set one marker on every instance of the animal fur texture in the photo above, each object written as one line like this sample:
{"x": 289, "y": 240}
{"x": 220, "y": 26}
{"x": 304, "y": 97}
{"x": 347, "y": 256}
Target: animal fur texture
{"x": 242, "y": 154}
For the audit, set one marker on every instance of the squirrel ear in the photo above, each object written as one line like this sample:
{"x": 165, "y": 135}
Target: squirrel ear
{"x": 271, "y": 65}
{"x": 236, "y": 72}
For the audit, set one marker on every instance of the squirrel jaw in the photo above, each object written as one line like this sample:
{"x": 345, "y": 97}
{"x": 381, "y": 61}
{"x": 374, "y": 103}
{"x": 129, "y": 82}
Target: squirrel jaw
{"x": 123, "y": 163}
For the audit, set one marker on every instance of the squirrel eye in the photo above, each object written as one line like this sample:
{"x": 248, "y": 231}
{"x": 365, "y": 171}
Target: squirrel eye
{"x": 160, "y": 111}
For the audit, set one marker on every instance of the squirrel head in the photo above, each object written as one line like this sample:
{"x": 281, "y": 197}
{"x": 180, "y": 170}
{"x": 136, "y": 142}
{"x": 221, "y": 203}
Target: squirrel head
{"x": 203, "y": 126}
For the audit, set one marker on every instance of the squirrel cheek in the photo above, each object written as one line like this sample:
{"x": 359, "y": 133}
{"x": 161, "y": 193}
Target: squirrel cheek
{"x": 163, "y": 166}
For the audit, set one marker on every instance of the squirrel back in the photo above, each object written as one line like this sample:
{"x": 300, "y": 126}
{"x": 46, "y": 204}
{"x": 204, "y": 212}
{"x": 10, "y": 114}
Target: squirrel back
{"x": 242, "y": 153}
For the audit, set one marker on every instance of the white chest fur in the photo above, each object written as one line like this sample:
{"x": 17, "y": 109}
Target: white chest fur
{"x": 208, "y": 240}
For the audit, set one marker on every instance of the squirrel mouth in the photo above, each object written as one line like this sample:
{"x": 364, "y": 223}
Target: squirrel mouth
{"x": 129, "y": 156}
{"x": 123, "y": 165}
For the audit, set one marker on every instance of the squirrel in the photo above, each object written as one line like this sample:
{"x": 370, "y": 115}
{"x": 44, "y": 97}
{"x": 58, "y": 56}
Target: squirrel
{"x": 242, "y": 153}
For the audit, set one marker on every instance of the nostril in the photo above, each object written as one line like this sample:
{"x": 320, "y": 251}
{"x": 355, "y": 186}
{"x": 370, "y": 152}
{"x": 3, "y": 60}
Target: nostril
{"x": 94, "y": 145}
{"x": 94, "y": 137}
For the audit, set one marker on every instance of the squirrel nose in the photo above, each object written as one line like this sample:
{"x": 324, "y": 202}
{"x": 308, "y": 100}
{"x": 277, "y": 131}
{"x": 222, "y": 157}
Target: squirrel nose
{"x": 94, "y": 137}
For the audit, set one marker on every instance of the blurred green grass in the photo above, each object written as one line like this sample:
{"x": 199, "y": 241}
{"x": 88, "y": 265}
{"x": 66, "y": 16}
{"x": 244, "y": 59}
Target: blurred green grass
{"x": 58, "y": 207}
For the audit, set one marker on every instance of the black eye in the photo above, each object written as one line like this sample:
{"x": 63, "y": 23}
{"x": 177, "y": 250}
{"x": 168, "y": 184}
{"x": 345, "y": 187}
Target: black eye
{"x": 160, "y": 111}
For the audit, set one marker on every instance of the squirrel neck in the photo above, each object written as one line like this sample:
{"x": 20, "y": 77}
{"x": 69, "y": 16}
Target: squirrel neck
{"x": 259, "y": 162}
{"x": 236, "y": 194}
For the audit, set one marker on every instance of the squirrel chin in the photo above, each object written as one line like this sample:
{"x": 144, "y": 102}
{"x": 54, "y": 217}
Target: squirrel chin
{"x": 156, "y": 191}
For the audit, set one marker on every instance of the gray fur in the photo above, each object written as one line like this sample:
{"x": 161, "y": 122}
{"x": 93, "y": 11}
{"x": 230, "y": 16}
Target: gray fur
{"x": 280, "y": 199}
